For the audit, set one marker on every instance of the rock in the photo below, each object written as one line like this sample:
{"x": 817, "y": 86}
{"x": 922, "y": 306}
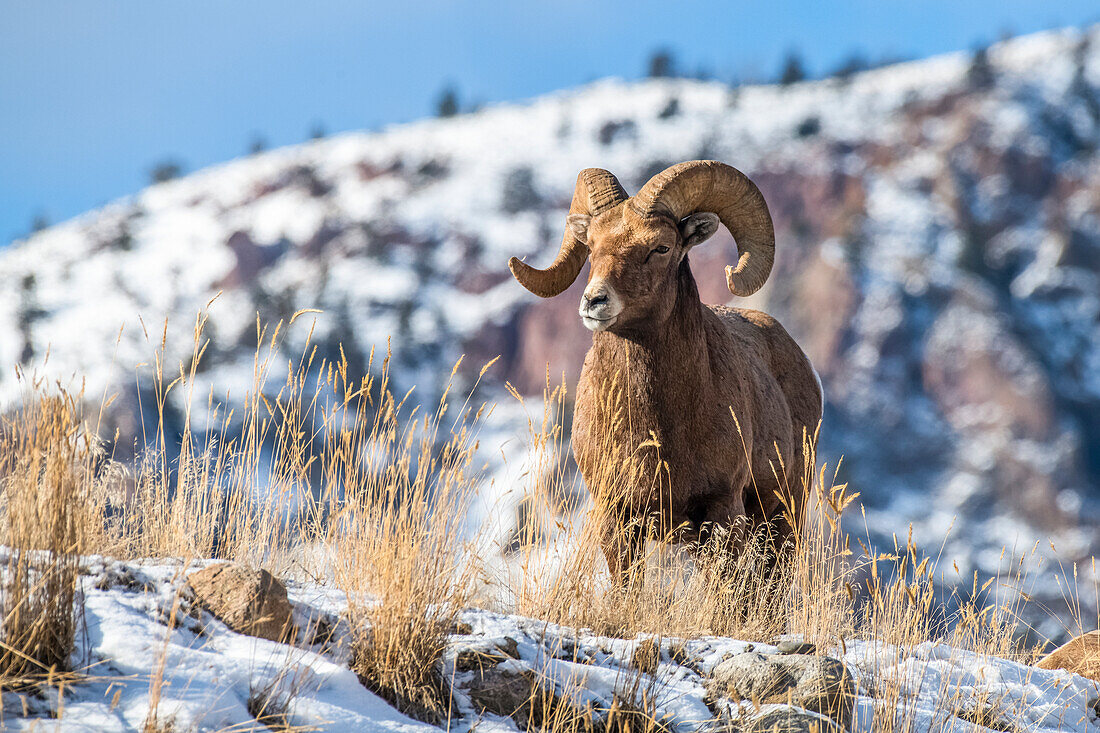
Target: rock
{"x": 789, "y": 646}
{"x": 826, "y": 687}
{"x": 790, "y": 719}
{"x": 531, "y": 702}
{"x": 248, "y": 601}
{"x": 1080, "y": 655}
{"x": 502, "y": 692}
{"x": 123, "y": 577}
{"x": 819, "y": 684}
{"x": 750, "y": 676}
{"x": 321, "y": 631}
{"x": 984, "y": 714}
{"x": 720, "y": 725}
{"x": 510, "y": 647}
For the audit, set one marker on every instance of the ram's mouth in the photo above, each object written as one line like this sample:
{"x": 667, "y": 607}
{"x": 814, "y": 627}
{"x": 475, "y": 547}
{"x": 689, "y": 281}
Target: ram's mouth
{"x": 598, "y": 324}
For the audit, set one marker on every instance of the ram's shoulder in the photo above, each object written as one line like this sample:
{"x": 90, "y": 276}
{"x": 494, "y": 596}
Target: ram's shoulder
{"x": 762, "y": 331}
{"x": 745, "y": 319}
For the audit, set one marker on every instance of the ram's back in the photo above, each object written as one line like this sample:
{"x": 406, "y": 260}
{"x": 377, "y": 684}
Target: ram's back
{"x": 771, "y": 345}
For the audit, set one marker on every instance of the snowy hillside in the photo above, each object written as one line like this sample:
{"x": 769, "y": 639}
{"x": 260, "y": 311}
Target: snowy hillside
{"x": 938, "y": 230}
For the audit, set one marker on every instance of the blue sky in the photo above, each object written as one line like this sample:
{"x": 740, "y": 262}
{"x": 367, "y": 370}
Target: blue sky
{"x": 94, "y": 92}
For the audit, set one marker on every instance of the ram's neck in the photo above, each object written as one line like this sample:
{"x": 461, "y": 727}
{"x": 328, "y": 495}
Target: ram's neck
{"x": 665, "y": 368}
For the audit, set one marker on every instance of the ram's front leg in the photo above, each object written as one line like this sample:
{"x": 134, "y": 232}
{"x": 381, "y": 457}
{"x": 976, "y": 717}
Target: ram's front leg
{"x": 623, "y": 543}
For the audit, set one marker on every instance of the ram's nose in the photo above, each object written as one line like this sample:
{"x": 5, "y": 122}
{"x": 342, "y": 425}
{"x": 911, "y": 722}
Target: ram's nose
{"x": 599, "y": 306}
{"x": 593, "y": 300}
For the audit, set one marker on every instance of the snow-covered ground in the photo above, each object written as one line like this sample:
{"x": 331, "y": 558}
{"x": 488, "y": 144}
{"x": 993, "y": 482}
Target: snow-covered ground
{"x": 207, "y": 673}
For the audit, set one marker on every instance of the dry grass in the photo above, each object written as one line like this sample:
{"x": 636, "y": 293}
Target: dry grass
{"x": 396, "y": 537}
{"x": 46, "y": 469}
{"x": 270, "y": 704}
{"x": 633, "y": 707}
{"x": 329, "y": 475}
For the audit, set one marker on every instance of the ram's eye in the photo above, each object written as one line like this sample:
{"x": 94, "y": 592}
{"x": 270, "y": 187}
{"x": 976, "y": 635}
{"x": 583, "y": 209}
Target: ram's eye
{"x": 661, "y": 250}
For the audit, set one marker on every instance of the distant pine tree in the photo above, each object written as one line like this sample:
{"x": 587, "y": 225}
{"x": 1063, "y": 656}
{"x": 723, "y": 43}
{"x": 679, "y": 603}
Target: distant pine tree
{"x": 519, "y": 191}
{"x": 165, "y": 170}
{"x": 39, "y": 222}
{"x": 1080, "y": 86}
{"x": 793, "y": 71}
{"x": 852, "y": 65}
{"x": 447, "y": 104}
{"x": 317, "y": 132}
{"x": 257, "y": 145}
{"x": 980, "y": 75}
{"x": 27, "y": 314}
{"x": 808, "y": 127}
{"x": 661, "y": 65}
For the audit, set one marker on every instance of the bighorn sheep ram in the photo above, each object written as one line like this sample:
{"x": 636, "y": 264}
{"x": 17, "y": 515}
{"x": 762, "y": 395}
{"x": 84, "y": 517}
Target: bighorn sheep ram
{"x": 724, "y": 392}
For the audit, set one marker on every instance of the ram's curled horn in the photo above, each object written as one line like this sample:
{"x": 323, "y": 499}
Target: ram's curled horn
{"x": 596, "y": 191}
{"x": 707, "y": 185}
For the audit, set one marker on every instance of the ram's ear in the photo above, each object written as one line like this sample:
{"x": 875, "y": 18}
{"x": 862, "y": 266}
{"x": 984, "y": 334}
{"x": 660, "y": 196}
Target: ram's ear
{"x": 578, "y": 224}
{"x": 698, "y": 228}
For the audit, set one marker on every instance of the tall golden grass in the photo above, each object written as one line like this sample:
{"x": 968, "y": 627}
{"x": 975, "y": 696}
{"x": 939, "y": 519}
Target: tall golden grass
{"x": 47, "y": 518}
{"x": 331, "y": 476}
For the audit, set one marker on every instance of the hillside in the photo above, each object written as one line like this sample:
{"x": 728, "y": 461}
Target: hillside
{"x": 938, "y": 230}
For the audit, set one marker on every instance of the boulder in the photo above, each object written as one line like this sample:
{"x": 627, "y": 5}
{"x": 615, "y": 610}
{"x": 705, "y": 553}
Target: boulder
{"x": 825, "y": 687}
{"x": 791, "y": 646}
{"x": 1080, "y": 655}
{"x": 504, "y": 692}
{"x": 248, "y": 601}
{"x": 516, "y": 691}
{"x": 750, "y": 676}
{"x": 817, "y": 684}
{"x": 790, "y": 719}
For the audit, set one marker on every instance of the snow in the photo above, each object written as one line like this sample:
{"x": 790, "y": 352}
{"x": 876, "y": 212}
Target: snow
{"x": 1039, "y": 700}
{"x": 208, "y": 672}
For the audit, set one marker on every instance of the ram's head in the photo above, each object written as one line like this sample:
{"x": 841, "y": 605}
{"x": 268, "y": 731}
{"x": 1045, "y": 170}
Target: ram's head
{"x": 637, "y": 245}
